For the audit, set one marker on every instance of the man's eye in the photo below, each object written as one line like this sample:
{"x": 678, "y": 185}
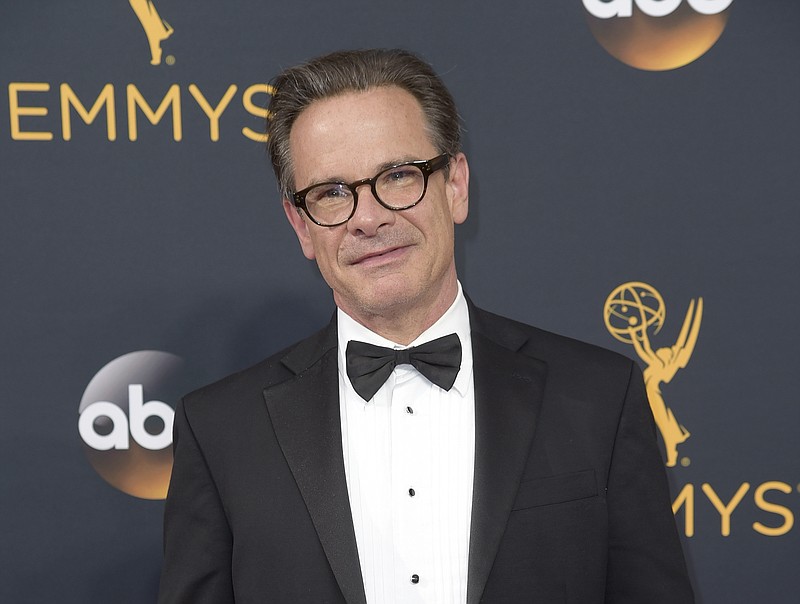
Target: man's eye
{"x": 328, "y": 193}
{"x": 334, "y": 192}
{"x": 401, "y": 175}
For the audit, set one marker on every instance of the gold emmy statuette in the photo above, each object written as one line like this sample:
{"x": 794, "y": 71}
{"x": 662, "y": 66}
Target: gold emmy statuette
{"x": 155, "y": 28}
{"x": 631, "y": 312}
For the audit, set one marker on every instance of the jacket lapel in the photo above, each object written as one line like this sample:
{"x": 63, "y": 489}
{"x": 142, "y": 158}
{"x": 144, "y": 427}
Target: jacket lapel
{"x": 508, "y": 394}
{"x": 305, "y": 415}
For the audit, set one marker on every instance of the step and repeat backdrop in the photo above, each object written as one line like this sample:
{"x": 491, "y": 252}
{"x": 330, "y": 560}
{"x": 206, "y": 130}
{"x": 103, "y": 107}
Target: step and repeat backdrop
{"x": 636, "y": 184}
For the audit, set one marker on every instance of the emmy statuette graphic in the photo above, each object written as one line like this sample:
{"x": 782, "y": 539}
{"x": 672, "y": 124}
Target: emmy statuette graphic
{"x": 634, "y": 311}
{"x": 155, "y": 28}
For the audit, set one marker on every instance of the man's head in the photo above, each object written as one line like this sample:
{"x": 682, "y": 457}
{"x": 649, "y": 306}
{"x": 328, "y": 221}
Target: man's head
{"x": 347, "y": 121}
{"x": 357, "y": 70}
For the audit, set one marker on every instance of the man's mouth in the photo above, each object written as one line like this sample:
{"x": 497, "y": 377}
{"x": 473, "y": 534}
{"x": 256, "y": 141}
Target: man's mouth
{"x": 379, "y": 256}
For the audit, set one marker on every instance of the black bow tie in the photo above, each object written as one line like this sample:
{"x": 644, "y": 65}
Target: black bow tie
{"x": 368, "y": 366}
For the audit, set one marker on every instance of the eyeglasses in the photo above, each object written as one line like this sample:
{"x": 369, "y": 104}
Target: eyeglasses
{"x": 396, "y": 188}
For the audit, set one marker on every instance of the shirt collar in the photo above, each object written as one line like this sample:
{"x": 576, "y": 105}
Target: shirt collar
{"x": 454, "y": 320}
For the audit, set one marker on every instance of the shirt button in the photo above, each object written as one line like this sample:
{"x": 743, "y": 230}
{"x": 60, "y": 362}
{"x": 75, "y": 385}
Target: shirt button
{"x": 409, "y": 410}
{"x": 415, "y": 579}
{"x": 411, "y": 492}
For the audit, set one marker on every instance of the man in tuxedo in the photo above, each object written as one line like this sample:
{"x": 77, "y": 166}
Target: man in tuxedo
{"x": 417, "y": 449}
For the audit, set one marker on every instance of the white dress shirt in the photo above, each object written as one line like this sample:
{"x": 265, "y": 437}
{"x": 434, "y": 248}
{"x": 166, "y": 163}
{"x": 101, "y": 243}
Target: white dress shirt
{"x": 409, "y": 460}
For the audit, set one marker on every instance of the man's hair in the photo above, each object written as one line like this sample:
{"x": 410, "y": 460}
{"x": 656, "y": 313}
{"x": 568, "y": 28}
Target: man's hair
{"x": 357, "y": 70}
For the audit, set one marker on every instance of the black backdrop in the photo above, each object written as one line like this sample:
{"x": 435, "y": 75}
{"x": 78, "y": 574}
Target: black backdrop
{"x": 587, "y": 174}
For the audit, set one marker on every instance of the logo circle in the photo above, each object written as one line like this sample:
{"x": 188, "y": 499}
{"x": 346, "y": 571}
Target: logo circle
{"x": 657, "y": 35}
{"x": 632, "y": 309}
{"x": 125, "y": 421}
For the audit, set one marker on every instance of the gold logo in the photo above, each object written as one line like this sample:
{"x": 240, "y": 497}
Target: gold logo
{"x": 657, "y": 35}
{"x": 633, "y": 312}
{"x": 155, "y": 28}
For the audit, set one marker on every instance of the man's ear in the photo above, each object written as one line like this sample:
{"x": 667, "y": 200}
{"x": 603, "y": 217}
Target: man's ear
{"x": 300, "y": 227}
{"x": 458, "y": 188}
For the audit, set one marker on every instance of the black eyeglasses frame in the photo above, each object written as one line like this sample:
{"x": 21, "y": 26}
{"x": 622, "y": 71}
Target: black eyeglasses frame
{"x": 426, "y": 166}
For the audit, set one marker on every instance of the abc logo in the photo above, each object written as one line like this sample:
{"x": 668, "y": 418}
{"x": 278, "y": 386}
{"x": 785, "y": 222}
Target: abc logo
{"x": 657, "y": 35}
{"x": 126, "y": 425}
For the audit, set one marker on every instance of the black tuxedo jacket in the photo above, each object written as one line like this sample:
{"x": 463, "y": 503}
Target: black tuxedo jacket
{"x": 570, "y": 499}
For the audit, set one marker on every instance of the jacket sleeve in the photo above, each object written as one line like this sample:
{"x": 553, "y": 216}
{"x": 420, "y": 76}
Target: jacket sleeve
{"x": 197, "y": 537}
{"x": 645, "y": 560}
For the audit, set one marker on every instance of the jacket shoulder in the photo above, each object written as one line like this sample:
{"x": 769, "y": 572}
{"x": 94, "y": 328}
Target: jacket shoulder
{"x": 541, "y": 343}
{"x": 248, "y": 384}
{"x": 571, "y": 362}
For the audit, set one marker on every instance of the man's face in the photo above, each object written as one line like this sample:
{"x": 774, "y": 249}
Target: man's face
{"x": 381, "y": 263}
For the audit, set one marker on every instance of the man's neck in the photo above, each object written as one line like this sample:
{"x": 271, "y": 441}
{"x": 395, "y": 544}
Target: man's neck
{"x": 404, "y": 325}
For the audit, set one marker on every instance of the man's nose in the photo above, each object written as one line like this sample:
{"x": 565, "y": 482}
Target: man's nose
{"x": 370, "y": 215}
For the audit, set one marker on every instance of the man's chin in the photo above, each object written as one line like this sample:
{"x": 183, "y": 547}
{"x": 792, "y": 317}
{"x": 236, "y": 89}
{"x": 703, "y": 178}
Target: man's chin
{"x": 381, "y": 296}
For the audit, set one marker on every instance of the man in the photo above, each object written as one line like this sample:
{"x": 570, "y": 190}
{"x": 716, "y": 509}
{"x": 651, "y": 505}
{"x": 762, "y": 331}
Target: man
{"x": 418, "y": 449}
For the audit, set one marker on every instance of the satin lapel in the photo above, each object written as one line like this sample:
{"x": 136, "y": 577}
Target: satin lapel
{"x": 508, "y": 395}
{"x": 305, "y": 416}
